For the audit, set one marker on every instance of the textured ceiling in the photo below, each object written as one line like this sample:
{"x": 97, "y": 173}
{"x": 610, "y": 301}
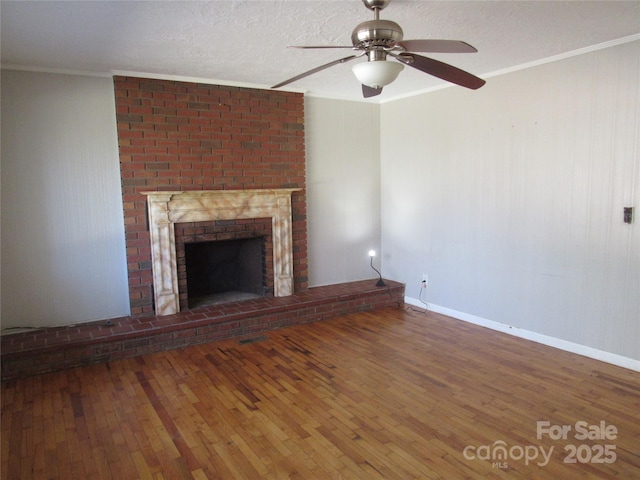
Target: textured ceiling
{"x": 245, "y": 42}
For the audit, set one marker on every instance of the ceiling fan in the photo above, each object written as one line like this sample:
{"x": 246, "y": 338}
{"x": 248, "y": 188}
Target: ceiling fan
{"x": 378, "y": 39}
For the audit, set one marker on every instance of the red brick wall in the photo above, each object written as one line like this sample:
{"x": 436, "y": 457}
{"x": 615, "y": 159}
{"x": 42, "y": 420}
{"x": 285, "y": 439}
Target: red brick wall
{"x": 190, "y": 136}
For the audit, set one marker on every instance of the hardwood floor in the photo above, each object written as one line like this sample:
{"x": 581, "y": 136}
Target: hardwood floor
{"x": 387, "y": 394}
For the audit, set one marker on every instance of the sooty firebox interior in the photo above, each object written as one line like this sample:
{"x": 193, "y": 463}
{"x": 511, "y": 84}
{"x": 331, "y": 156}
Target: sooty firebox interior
{"x": 225, "y": 270}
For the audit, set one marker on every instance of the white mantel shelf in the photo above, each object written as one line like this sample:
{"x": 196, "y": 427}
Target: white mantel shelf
{"x": 166, "y": 208}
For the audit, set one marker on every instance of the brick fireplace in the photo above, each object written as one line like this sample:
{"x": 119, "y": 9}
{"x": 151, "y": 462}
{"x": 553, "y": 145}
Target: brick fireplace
{"x": 187, "y": 137}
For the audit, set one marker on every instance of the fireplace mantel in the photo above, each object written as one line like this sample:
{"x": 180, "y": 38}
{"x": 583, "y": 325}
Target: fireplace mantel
{"x": 167, "y": 208}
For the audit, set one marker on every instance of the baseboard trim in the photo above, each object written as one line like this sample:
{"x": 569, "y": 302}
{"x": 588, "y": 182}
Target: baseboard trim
{"x": 567, "y": 346}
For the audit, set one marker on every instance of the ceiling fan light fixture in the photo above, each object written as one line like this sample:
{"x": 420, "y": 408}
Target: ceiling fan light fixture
{"x": 377, "y": 74}
{"x": 378, "y": 39}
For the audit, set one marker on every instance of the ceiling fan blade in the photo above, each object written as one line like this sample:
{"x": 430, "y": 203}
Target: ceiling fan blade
{"x": 437, "y": 46}
{"x": 441, "y": 70}
{"x": 315, "y": 70}
{"x": 368, "y": 92}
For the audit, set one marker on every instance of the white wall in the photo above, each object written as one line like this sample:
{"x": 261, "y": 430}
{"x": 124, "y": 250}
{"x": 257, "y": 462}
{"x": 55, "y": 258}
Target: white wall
{"x": 63, "y": 251}
{"x": 343, "y": 189}
{"x": 511, "y": 198}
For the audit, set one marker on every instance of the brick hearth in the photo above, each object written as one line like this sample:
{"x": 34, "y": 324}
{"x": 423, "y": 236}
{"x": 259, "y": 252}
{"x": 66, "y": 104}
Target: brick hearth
{"x": 58, "y": 348}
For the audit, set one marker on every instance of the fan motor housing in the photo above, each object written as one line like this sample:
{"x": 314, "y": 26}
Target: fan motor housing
{"x": 376, "y": 33}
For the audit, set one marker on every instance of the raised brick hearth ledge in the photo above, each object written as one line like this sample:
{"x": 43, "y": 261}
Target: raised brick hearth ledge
{"x": 58, "y": 348}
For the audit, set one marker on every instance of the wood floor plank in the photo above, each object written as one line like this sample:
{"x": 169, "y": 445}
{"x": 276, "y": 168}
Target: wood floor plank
{"x": 388, "y": 394}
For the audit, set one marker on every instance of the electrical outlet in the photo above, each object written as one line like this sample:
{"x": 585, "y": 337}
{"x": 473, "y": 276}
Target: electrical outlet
{"x": 425, "y": 280}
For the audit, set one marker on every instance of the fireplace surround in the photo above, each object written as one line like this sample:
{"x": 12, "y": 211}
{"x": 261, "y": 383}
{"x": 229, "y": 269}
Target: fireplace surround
{"x": 166, "y": 208}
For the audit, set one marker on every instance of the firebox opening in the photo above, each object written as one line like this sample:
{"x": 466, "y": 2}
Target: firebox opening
{"x": 225, "y": 271}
